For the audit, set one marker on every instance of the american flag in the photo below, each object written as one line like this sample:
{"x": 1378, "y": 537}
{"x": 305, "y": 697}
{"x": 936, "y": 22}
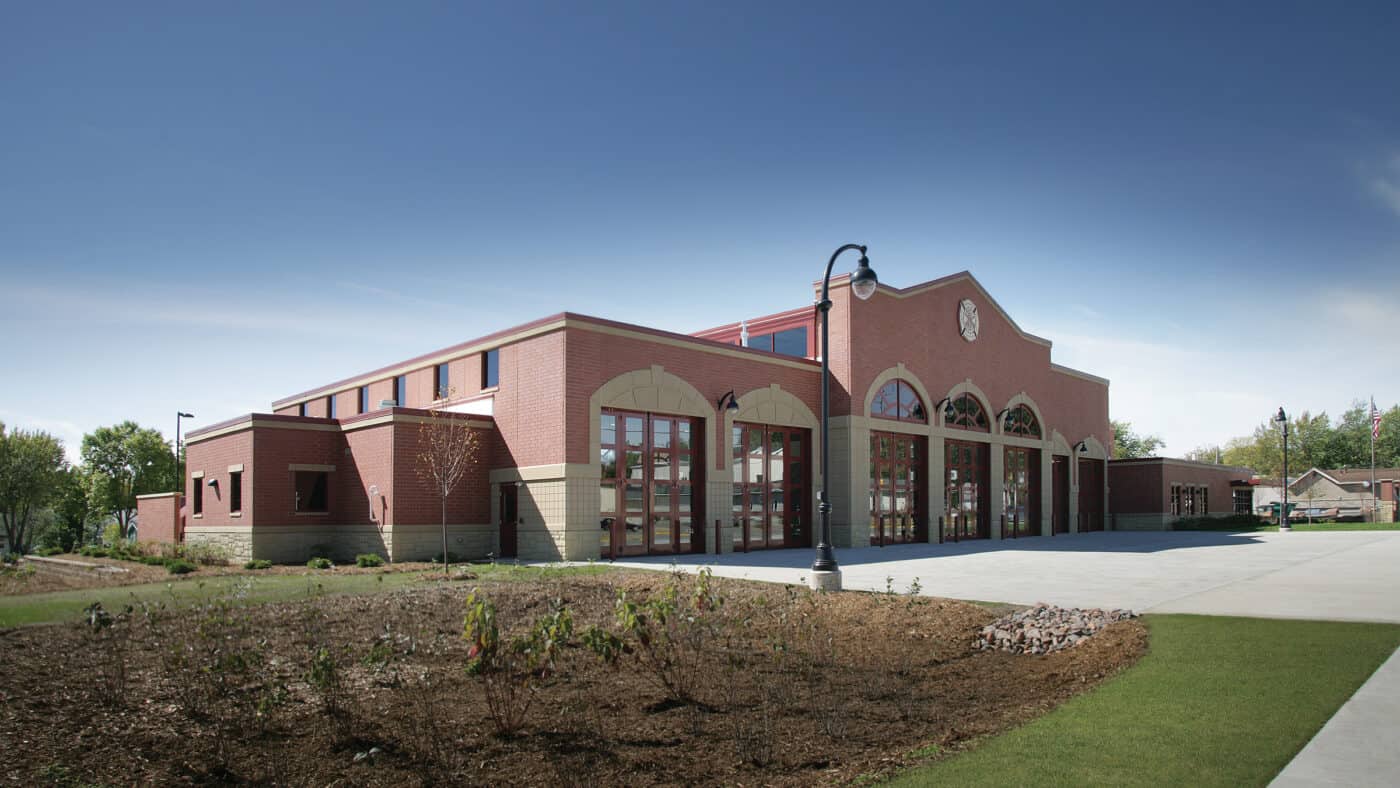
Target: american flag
{"x": 1375, "y": 420}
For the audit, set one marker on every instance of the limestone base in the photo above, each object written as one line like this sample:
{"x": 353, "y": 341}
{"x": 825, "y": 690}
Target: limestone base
{"x": 824, "y": 581}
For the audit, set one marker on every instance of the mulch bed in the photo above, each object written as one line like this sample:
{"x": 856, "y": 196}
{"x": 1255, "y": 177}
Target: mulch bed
{"x": 794, "y": 688}
{"x": 44, "y": 579}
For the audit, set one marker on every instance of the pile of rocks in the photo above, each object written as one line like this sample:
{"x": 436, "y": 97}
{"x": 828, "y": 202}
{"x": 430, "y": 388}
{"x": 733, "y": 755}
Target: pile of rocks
{"x": 1046, "y": 628}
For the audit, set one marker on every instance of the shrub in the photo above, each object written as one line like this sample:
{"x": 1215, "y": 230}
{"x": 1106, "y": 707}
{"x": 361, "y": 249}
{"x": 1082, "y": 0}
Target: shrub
{"x": 257, "y": 563}
{"x": 179, "y": 566}
{"x": 668, "y": 634}
{"x": 320, "y": 563}
{"x": 48, "y": 551}
{"x": 153, "y": 560}
{"x": 93, "y": 551}
{"x": 452, "y": 558}
{"x": 204, "y": 554}
{"x": 369, "y": 560}
{"x": 510, "y": 672}
{"x": 112, "y": 534}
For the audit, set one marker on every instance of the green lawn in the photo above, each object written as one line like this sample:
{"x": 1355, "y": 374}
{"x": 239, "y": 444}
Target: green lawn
{"x": 1304, "y": 525}
{"x": 62, "y": 605}
{"x": 1216, "y": 701}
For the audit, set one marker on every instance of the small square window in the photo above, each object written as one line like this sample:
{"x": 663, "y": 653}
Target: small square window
{"x": 235, "y": 491}
{"x": 311, "y": 491}
{"x": 491, "y": 368}
{"x": 301, "y": 409}
{"x": 197, "y": 495}
{"x": 401, "y": 391}
{"x": 364, "y": 399}
{"x": 330, "y": 406}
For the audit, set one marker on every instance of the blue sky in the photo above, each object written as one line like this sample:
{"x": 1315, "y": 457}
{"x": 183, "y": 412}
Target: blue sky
{"x": 208, "y": 208}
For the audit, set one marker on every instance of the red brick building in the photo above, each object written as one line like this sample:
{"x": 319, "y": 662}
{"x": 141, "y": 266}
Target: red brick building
{"x": 1151, "y": 493}
{"x": 604, "y": 439}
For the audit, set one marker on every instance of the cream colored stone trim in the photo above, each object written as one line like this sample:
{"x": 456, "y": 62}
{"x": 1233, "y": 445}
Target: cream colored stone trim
{"x": 652, "y": 390}
{"x": 299, "y": 466}
{"x": 1019, "y": 399}
{"x": 1058, "y": 444}
{"x": 1074, "y": 373}
{"x": 157, "y": 495}
{"x": 236, "y": 468}
{"x": 967, "y": 387}
{"x": 1093, "y": 449}
{"x": 404, "y": 418}
{"x": 772, "y": 405}
{"x": 897, "y": 371}
{"x": 536, "y": 473}
{"x": 197, "y": 474}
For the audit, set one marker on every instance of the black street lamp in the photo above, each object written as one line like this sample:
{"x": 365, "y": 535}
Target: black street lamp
{"x": 1282, "y": 418}
{"x": 179, "y": 469}
{"x": 826, "y": 575}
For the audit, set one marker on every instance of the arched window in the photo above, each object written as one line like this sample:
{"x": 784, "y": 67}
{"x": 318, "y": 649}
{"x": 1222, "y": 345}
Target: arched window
{"x": 1020, "y": 420}
{"x": 968, "y": 414}
{"x": 897, "y": 400}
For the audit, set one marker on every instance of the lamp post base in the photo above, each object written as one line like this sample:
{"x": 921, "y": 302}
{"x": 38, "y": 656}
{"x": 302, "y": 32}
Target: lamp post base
{"x": 1285, "y": 528}
{"x": 823, "y": 580}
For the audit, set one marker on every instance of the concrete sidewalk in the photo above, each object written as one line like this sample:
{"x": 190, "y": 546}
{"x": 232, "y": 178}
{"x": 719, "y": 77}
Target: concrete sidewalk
{"x": 1339, "y": 576}
{"x": 1357, "y": 747}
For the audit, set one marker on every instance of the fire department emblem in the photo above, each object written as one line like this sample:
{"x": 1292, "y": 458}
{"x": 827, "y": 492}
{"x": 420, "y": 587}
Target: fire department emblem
{"x": 967, "y": 319}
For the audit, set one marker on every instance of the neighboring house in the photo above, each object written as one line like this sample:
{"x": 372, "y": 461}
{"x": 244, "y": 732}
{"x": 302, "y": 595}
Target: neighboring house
{"x": 1151, "y": 493}
{"x": 602, "y": 439}
{"x": 1345, "y": 495}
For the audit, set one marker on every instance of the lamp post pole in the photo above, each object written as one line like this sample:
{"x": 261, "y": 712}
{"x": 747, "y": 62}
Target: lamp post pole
{"x": 826, "y": 574}
{"x": 1282, "y": 418}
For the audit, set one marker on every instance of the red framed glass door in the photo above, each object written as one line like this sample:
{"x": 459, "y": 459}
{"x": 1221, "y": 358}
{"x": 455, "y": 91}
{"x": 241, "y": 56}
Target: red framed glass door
{"x": 898, "y": 512}
{"x": 647, "y": 489}
{"x": 966, "y": 493}
{"x": 1021, "y": 492}
{"x": 769, "y": 474}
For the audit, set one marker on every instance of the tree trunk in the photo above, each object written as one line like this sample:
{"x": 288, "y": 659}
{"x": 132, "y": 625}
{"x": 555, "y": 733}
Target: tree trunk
{"x": 445, "y": 563}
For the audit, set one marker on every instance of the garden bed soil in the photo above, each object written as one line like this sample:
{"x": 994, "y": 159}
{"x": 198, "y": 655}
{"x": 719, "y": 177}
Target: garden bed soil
{"x": 793, "y": 688}
{"x": 44, "y": 579}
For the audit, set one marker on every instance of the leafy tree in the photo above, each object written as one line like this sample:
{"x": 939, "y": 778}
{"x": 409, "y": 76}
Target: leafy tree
{"x": 126, "y": 461}
{"x": 1350, "y": 445}
{"x": 1128, "y": 444}
{"x": 71, "y": 510}
{"x": 30, "y": 465}
{"x": 1309, "y": 441}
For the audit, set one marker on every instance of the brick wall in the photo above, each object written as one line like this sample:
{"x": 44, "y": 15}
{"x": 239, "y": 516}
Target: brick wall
{"x": 158, "y": 518}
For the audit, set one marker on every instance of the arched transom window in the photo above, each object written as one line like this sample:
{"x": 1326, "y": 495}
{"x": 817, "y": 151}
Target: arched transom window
{"x": 897, "y": 400}
{"x": 1020, "y": 420}
{"x": 968, "y": 414}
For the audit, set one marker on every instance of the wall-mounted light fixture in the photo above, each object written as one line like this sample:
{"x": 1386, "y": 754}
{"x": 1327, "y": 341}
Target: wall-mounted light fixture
{"x": 728, "y": 405}
{"x": 947, "y": 405}
{"x": 1081, "y": 447}
{"x": 1005, "y": 413}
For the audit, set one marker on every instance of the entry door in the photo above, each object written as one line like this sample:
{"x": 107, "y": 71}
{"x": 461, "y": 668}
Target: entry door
{"x": 769, "y": 476}
{"x": 1059, "y": 485}
{"x": 1021, "y": 492}
{"x": 898, "y": 511}
{"x": 967, "y": 495}
{"x": 647, "y": 490}
{"x": 1090, "y": 495}
{"x": 510, "y": 519}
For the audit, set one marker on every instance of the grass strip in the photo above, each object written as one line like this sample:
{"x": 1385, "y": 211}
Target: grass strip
{"x": 16, "y": 610}
{"x": 1216, "y": 701}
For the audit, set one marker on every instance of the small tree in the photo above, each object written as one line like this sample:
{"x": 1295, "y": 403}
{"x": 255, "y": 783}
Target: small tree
{"x": 1129, "y": 445}
{"x": 447, "y": 447}
{"x": 31, "y": 464}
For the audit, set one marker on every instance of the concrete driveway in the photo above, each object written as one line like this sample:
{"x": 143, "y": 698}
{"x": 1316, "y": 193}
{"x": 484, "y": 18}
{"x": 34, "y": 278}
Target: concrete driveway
{"x": 1344, "y": 576}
